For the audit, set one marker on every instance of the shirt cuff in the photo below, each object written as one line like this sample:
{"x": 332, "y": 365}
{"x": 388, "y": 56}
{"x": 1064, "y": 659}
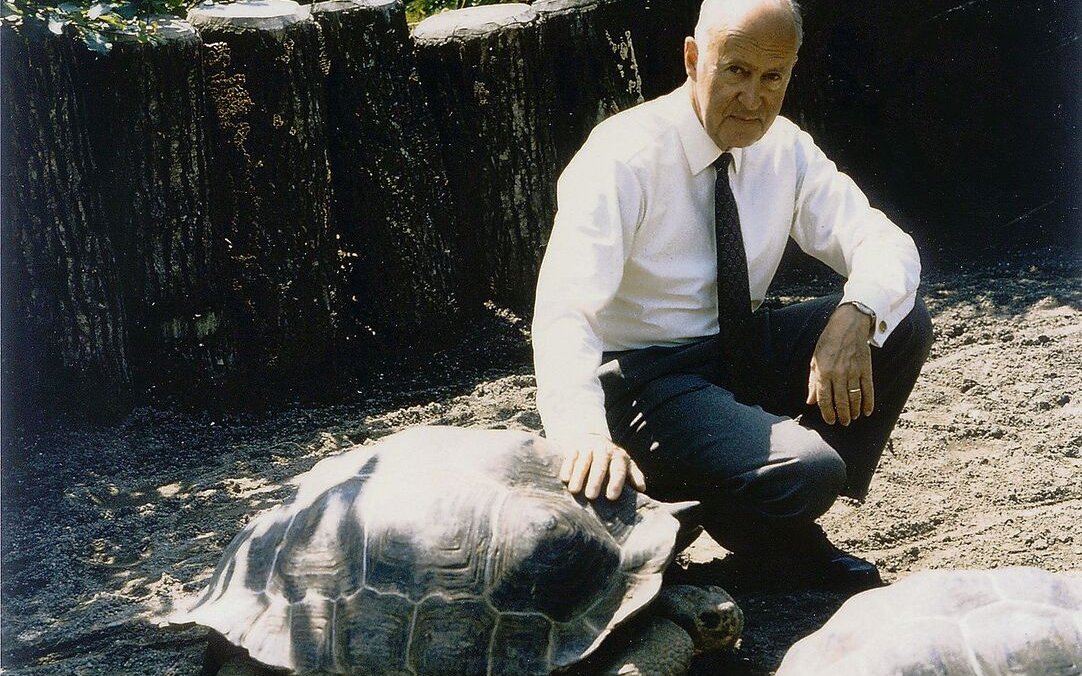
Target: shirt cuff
{"x": 571, "y": 427}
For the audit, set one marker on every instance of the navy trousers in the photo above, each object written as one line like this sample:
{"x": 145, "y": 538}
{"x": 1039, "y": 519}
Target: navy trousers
{"x": 763, "y": 463}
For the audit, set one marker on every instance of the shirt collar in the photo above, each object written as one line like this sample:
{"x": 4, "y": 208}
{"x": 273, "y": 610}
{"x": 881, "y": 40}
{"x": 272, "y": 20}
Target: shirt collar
{"x": 699, "y": 148}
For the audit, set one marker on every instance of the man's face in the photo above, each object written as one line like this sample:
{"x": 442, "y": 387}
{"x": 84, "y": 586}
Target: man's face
{"x": 738, "y": 80}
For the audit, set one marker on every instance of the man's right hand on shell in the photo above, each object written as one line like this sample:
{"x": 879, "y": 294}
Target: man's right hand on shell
{"x": 592, "y": 459}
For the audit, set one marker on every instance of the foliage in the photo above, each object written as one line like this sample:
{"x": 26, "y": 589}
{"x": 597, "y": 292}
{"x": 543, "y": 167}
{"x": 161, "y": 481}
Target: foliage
{"x": 419, "y": 9}
{"x": 96, "y": 22}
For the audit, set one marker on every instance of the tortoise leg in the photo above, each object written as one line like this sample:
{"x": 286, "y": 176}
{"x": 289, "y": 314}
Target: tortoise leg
{"x": 659, "y": 648}
{"x": 243, "y": 666}
{"x": 222, "y": 658}
{"x": 707, "y": 613}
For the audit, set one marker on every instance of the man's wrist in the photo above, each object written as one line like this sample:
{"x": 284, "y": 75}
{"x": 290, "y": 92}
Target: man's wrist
{"x": 866, "y": 311}
{"x": 590, "y": 438}
{"x": 575, "y": 438}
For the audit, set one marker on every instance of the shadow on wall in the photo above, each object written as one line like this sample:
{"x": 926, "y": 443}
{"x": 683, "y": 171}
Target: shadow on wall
{"x": 959, "y": 119}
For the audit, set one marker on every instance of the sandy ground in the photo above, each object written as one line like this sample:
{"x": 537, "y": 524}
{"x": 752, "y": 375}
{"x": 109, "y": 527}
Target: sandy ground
{"x": 105, "y": 528}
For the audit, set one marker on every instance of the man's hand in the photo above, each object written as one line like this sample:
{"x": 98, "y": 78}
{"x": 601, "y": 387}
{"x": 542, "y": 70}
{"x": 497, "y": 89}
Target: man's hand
{"x": 840, "y": 380}
{"x": 594, "y": 458}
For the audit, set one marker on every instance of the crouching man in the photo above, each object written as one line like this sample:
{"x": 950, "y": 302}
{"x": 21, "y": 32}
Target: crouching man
{"x": 655, "y": 363}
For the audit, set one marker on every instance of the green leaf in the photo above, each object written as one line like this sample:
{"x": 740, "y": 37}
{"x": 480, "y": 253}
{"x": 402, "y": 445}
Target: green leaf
{"x": 95, "y": 41}
{"x": 92, "y": 19}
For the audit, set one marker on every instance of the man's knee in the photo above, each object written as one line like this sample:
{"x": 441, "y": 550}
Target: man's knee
{"x": 918, "y": 331}
{"x": 819, "y": 479}
{"x": 809, "y": 480}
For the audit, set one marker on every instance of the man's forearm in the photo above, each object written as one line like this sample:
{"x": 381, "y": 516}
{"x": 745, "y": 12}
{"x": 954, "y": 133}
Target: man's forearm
{"x": 836, "y": 224}
{"x": 569, "y": 395}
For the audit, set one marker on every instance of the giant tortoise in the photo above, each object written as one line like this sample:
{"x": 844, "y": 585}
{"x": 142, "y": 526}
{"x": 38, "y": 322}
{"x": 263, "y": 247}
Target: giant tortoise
{"x": 1023, "y": 621}
{"x": 441, "y": 550}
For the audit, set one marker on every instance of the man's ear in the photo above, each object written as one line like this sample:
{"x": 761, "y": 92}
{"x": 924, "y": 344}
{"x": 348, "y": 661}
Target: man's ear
{"x": 691, "y": 56}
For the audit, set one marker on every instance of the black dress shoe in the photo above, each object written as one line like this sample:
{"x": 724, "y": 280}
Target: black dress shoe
{"x": 832, "y": 568}
{"x": 805, "y": 558}
{"x": 845, "y": 572}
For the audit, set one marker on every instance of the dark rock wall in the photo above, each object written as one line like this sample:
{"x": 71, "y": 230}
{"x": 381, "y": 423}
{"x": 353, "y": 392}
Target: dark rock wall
{"x": 492, "y": 91}
{"x": 64, "y": 326}
{"x": 144, "y": 106}
{"x": 401, "y": 286}
{"x": 269, "y": 206}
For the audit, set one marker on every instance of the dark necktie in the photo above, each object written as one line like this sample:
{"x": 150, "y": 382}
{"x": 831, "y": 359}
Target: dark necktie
{"x": 734, "y": 296}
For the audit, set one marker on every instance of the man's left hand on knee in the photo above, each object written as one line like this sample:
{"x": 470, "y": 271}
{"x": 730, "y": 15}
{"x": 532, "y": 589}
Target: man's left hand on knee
{"x": 840, "y": 378}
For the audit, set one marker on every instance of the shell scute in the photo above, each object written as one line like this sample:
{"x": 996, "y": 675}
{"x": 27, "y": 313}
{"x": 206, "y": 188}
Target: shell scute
{"x": 372, "y": 633}
{"x": 520, "y": 646}
{"x": 317, "y": 550}
{"x": 1013, "y": 636}
{"x": 262, "y": 553}
{"x": 934, "y": 646}
{"x": 437, "y": 542}
{"x": 527, "y": 465}
{"x": 570, "y": 640}
{"x": 550, "y": 558}
{"x": 451, "y": 637}
{"x": 1037, "y": 586}
{"x": 310, "y": 628}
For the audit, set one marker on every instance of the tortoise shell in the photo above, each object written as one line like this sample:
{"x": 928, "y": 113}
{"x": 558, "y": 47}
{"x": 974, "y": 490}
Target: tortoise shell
{"x": 958, "y": 622}
{"x": 438, "y": 551}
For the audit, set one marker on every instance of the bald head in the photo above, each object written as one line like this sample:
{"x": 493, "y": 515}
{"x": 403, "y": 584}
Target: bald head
{"x": 719, "y": 15}
{"x": 739, "y": 64}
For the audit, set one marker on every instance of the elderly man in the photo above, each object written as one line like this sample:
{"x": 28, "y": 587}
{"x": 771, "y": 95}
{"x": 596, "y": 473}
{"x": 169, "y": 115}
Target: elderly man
{"x": 671, "y": 222}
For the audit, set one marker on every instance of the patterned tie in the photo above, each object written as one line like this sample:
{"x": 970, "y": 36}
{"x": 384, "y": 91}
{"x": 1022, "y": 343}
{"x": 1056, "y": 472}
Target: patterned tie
{"x": 734, "y": 296}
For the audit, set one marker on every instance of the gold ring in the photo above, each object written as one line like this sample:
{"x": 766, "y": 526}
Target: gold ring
{"x": 856, "y": 390}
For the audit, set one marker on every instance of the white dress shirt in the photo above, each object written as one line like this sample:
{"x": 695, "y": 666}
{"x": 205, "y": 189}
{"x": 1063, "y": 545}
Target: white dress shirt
{"x": 632, "y": 259}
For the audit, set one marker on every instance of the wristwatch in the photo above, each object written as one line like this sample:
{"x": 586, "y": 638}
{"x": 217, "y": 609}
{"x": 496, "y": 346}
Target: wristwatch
{"x": 864, "y": 309}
